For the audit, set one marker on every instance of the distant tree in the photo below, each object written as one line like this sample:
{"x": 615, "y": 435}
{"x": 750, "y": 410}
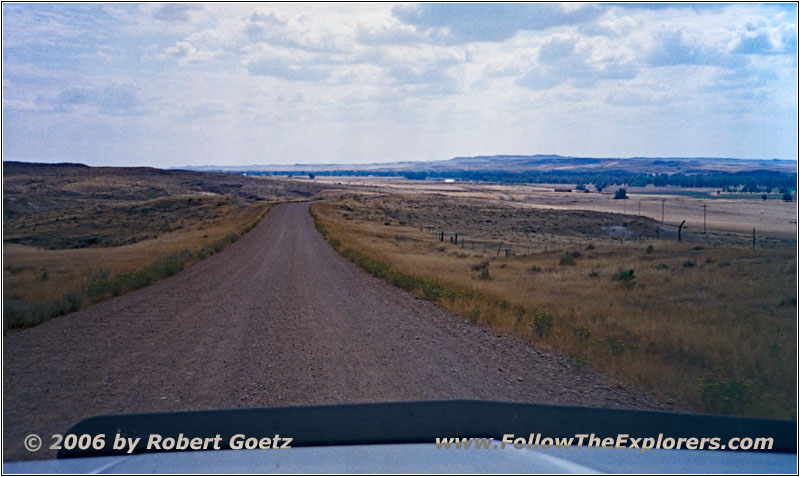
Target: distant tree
{"x": 763, "y": 196}
{"x": 787, "y": 196}
{"x": 621, "y": 194}
{"x": 415, "y": 176}
{"x": 599, "y": 187}
{"x": 751, "y": 187}
{"x": 311, "y": 176}
{"x": 580, "y": 187}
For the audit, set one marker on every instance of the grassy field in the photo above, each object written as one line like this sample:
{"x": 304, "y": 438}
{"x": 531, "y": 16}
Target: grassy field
{"x": 74, "y": 235}
{"x": 709, "y": 325}
{"x": 725, "y": 213}
{"x": 40, "y": 283}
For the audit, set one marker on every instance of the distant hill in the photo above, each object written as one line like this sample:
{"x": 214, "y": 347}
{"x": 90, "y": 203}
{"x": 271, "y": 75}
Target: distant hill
{"x": 30, "y": 187}
{"x": 535, "y": 163}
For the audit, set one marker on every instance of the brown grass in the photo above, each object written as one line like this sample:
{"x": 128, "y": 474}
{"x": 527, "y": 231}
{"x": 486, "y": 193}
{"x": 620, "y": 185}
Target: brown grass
{"x": 711, "y": 327}
{"x": 37, "y": 278}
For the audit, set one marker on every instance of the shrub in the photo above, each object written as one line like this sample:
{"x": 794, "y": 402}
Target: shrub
{"x": 169, "y": 265}
{"x": 480, "y": 266}
{"x": 661, "y": 266}
{"x": 615, "y": 345}
{"x": 473, "y": 315}
{"x": 625, "y": 276}
{"x": 484, "y": 275}
{"x": 519, "y": 312}
{"x": 689, "y": 264}
{"x": 18, "y": 314}
{"x": 650, "y": 249}
{"x": 218, "y": 245}
{"x": 543, "y": 323}
{"x": 566, "y": 260}
{"x": 583, "y": 334}
{"x": 621, "y": 194}
{"x": 432, "y": 291}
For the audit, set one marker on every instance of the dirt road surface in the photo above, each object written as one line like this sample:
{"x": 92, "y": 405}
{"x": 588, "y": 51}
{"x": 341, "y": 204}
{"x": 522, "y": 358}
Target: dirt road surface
{"x": 277, "y": 319}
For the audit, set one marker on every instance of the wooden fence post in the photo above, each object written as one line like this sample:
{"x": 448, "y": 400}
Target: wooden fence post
{"x": 679, "y": 230}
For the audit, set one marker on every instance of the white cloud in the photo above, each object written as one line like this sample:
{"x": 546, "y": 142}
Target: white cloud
{"x": 442, "y": 79}
{"x": 185, "y": 53}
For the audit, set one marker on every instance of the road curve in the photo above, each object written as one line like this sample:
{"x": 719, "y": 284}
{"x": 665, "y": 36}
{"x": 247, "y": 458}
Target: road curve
{"x": 279, "y": 318}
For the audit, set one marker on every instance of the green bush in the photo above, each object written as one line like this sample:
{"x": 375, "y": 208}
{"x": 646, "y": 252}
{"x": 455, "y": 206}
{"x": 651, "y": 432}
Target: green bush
{"x": 169, "y": 265}
{"x": 543, "y": 323}
{"x": 566, "y": 260}
{"x": 624, "y": 276}
{"x": 18, "y": 314}
{"x": 583, "y": 334}
{"x": 432, "y": 291}
{"x": 650, "y": 249}
{"x": 615, "y": 345}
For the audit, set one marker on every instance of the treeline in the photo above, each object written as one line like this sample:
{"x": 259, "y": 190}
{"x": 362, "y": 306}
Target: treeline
{"x": 746, "y": 181}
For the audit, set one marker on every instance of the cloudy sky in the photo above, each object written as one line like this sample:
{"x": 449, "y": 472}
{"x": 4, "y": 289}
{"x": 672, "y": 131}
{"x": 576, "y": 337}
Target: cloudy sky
{"x": 176, "y": 84}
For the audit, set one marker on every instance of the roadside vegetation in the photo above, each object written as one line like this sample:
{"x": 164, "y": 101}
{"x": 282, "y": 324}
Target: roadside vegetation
{"x": 73, "y": 271}
{"x": 710, "y": 327}
{"x": 74, "y": 235}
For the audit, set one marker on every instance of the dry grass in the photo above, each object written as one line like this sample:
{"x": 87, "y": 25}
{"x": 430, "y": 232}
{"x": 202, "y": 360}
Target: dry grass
{"x": 74, "y": 234}
{"x": 40, "y": 283}
{"x": 711, "y": 327}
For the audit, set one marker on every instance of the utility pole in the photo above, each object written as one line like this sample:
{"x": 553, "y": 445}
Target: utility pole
{"x": 662, "y": 210}
{"x": 704, "y": 218}
{"x": 640, "y": 208}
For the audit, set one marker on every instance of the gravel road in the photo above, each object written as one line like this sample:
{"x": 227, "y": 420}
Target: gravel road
{"x": 277, "y": 319}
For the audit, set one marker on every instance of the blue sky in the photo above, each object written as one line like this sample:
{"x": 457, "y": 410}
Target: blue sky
{"x": 176, "y": 84}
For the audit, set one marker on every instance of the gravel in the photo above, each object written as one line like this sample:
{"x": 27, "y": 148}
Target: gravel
{"x": 277, "y": 319}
